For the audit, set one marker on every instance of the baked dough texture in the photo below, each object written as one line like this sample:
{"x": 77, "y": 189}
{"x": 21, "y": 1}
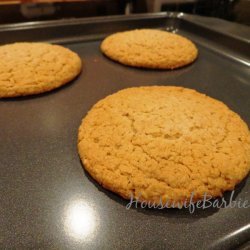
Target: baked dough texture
{"x": 149, "y": 48}
{"x": 164, "y": 143}
{"x": 32, "y": 68}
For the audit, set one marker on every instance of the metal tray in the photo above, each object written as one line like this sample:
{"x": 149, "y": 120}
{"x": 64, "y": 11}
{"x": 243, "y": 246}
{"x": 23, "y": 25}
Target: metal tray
{"x": 49, "y": 202}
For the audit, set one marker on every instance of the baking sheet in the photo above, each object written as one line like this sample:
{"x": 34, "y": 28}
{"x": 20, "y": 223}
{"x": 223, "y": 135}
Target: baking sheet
{"x": 48, "y": 201}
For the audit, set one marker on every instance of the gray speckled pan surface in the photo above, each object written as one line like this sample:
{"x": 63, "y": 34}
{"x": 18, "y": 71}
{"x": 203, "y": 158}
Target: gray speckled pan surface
{"x": 49, "y": 202}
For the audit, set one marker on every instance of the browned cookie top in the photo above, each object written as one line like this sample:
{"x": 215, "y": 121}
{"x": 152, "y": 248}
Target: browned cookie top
{"x": 164, "y": 142}
{"x": 32, "y": 68}
{"x": 150, "y": 48}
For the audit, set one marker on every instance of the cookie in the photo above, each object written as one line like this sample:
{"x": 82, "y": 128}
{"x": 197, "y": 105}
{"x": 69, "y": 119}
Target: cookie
{"x": 163, "y": 143}
{"x": 32, "y": 68}
{"x": 149, "y": 48}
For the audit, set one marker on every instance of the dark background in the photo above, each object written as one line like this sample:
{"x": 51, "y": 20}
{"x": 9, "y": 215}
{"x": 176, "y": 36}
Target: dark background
{"x": 28, "y": 10}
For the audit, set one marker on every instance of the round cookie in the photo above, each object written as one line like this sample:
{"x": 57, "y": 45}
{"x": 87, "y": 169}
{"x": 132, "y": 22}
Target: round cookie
{"x": 149, "y": 48}
{"x": 32, "y": 68}
{"x": 164, "y": 143}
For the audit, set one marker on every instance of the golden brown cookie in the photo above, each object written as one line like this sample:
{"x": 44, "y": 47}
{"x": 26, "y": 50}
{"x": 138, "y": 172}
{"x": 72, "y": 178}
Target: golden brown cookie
{"x": 149, "y": 48}
{"x": 164, "y": 142}
{"x": 32, "y": 68}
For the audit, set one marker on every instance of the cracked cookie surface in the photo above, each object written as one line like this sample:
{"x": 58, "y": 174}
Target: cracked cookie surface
{"x": 150, "y": 48}
{"x": 32, "y": 68}
{"x": 164, "y": 142}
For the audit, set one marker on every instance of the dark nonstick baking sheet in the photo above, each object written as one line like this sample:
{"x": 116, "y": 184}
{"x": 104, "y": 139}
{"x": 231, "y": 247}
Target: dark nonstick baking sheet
{"x": 48, "y": 201}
